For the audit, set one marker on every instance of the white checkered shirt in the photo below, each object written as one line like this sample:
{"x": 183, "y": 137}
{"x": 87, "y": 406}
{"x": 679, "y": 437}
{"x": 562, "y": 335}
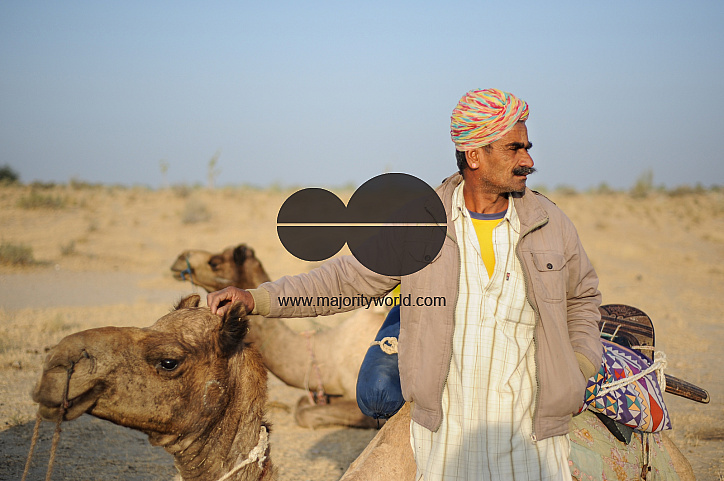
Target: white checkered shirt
{"x": 488, "y": 400}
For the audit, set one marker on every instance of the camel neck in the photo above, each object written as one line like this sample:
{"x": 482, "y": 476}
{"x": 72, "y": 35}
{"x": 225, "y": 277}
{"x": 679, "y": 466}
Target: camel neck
{"x": 220, "y": 449}
{"x": 229, "y": 437}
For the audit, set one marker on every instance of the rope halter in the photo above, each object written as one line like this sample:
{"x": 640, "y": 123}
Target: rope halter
{"x": 257, "y": 454}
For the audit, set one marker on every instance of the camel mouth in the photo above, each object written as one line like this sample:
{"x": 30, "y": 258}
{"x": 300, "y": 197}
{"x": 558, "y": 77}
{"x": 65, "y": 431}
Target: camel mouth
{"x": 50, "y": 408}
{"x": 181, "y": 275}
{"x": 75, "y": 408}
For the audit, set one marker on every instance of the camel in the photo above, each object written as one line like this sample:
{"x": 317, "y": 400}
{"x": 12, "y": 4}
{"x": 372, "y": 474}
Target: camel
{"x": 389, "y": 454}
{"x": 189, "y": 381}
{"x": 234, "y": 266}
{"x": 325, "y": 363}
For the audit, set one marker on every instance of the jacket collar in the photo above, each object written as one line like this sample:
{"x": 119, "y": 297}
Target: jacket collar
{"x": 528, "y": 207}
{"x": 445, "y": 191}
{"x": 531, "y": 212}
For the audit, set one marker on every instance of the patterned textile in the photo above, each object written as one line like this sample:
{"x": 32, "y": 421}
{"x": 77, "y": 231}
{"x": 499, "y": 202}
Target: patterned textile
{"x": 598, "y": 456}
{"x": 488, "y": 400}
{"x": 483, "y": 116}
{"x": 639, "y": 404}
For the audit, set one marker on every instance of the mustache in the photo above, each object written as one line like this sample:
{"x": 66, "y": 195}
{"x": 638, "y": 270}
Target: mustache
{"x": 524, "y": 170}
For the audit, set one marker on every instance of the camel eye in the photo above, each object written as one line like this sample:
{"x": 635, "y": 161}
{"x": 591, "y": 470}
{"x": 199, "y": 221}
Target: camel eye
{"x": 168, "y": 364}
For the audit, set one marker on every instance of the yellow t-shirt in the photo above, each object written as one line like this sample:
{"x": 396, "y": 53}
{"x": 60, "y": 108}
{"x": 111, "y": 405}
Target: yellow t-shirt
{"x": 484, "y": 225}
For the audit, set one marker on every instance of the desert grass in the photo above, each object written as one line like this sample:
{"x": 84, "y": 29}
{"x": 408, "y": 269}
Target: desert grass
{"x": 16, "y": 254}
{"x": 39, "y": 200}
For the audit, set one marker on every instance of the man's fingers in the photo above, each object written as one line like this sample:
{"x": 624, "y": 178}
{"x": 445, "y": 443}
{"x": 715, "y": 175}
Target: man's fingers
{"x": 216, "y": 299}
{"x": 211, "y": 301}
{"x": 220, "y": 301}
{"x": 222, "y": 309}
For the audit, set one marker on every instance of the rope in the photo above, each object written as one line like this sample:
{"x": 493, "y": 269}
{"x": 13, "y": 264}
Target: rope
{"x": 53, "y": 448}
{"x": 258, "y": 454}
{"x": 56, "y": 435}
{"x": 387, "y": 344}
{"x": 646, "y": 462}
{"x": 658, "y": 365}
{"x": 33, "y": 442}
{"x": 321, "y": 395}
{"x": 188, "y": 271}
{"x": 609, "y": 336}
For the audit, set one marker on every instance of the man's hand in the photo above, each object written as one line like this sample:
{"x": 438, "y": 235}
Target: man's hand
{"x": 221, "y": 301}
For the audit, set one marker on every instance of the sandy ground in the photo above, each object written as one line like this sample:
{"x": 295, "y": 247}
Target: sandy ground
{"x": 103, "y": 256}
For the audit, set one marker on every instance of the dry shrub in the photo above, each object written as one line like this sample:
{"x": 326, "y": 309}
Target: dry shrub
{"x": 36, "y": 200}
{"x": 58, "y": 324}
{"x": 68, "y": 249}
{"x": 182, "y": 191}
{"x": 16, "y": 254}
{"x": 685, "y": 190}
{"x": 644, "y": 185}
{"x": 8, "y": 175}
{"x": 566, "y": 191}
{"x": 195, "y": 211}
{"x": 603, "y": 189}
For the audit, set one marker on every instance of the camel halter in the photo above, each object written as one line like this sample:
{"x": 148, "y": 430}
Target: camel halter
{"x": 190, "y": 272}
{"x": 258, "y": 454}
{"x": 56, "y": 435}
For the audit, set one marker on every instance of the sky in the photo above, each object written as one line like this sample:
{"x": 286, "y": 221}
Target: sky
{"x": 322, "y": 94}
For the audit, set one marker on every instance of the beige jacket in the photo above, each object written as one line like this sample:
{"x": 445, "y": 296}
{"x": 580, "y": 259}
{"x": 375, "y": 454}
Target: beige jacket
{"x": 562, "y": 288}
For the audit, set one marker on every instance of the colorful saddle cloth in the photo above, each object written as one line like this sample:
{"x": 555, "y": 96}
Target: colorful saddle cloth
{"x": 596, "y": 455}
{"x": 639, "y": 403}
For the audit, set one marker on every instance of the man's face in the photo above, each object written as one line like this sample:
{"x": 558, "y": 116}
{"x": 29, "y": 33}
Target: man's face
{"x": 505, "y": 165}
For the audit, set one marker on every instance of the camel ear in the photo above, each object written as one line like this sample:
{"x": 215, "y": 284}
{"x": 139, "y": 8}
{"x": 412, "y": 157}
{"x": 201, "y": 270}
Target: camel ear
{"x": 188, "y": 301}
{"x": 240, "y": 254}
{"x": 234, "y": 327}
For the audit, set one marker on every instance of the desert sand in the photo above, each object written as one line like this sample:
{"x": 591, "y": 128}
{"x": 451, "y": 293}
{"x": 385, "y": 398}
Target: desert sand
{"x": 100, "y": 255}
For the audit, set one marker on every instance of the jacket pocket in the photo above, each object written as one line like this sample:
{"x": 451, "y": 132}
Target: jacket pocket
{"x": 551, "y": 279}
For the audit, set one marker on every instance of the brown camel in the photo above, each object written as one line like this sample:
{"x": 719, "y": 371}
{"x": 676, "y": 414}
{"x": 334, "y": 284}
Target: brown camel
{"x": 189, "y": 382}
{"x": 389, "y": 454}
{"x": 234, "y": 266}
{"x": 325, "y": 361}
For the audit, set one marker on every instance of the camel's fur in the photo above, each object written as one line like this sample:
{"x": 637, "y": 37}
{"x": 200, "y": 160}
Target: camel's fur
{"x": 389, "y": 454}
{"x": 207, "y": 411}
{"x": 332, "y": 356}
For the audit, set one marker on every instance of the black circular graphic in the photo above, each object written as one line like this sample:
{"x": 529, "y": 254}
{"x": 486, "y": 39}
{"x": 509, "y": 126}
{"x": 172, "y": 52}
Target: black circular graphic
{"x": 395, "y": 224}
{"x": 312, "y": 234}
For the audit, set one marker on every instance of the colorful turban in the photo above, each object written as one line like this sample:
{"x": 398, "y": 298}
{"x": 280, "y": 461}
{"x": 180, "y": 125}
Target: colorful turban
{"x": 483, "y": 116}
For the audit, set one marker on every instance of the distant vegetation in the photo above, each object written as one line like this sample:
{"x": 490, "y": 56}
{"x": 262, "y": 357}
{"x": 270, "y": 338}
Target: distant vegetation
{"x": 8, "y": 175}
{"x": 38, "y": 200}
{"x": 642, "y": 188}
{"x": 16, "y": 254}
{"x": 644, "y": 185}
{"x": 195, "y": 211}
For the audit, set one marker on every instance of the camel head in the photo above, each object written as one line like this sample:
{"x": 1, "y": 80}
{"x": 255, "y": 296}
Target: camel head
{"x": 188, "y": 381}
{"x": 234, "y": 266}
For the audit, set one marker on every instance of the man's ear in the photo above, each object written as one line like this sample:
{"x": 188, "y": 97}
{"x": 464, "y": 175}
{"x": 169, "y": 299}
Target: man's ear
{"x": 472, "y": 157}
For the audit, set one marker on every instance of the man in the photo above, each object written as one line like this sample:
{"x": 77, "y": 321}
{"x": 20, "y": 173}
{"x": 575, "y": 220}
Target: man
{"x": 494, "y": 375}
